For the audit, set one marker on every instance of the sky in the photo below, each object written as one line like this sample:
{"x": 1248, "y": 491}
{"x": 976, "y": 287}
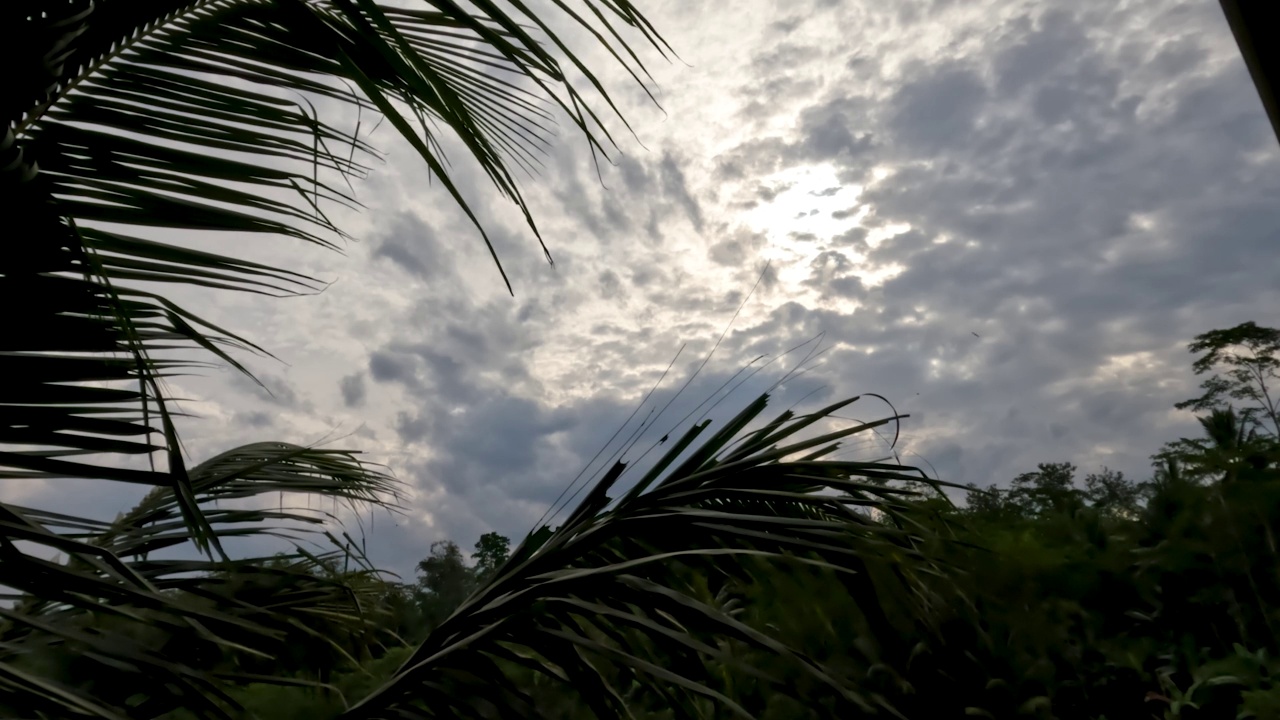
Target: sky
{"x": 1008, "y": 218}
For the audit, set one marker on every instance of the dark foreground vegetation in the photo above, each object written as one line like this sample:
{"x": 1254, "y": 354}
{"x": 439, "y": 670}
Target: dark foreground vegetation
{"x": 1051, "y": 596}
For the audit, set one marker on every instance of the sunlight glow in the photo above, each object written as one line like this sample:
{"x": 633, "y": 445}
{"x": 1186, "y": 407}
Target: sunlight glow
{"x": 803, "y": 213}
{"x": 804, "y": 201}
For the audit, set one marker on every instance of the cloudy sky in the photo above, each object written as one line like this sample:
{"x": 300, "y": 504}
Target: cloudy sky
{"x": 1008, "y": 218}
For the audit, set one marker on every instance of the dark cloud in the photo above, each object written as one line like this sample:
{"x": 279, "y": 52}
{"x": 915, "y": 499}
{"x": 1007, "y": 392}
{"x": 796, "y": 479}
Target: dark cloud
{"x": 832, "y": 272}
{"x": 353, "y": 390}
{"x": 407, "y": 243}
{"x": 610, "y": 284}
{"x": 937, "y": 110}
{"x": 676, "y": 190}
{"x": 767, "y": 193}
{"x": 786, "y": 27}
{"x": 737, "y": 248}
{"x": 510, "y": 458}
{"x": 272, "y": 388}
{"x": 836, "y": 129}
{"x": 392, "y": 367}
{"x": 1050, "y": 51}
{"x": 634, "y": 175}
{"x": 255, "y": 419}
{"x": 830, "y": 137}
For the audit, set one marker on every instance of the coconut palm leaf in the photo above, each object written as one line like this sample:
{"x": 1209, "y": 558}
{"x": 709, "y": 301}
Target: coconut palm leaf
{"x": 133, "y": 130}
{"x": 132, "y": 126}
{"x": 597, "y": 603}
{"x": 103, "y": 627}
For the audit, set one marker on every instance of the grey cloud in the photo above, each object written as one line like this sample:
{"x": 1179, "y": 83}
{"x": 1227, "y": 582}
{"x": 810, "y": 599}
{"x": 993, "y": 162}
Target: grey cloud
{"x": 401, "y": 255}
{"x": 1178, "y": 56}
{"x": 1036, "y": 185}
{"x": 353, "y": 390}
{"x": 387, "y": 367}
{"x": 755, "y": 157}
{"x": 274, "y": 389}
{"x": 610, "y": 284}
{"x": 526, "y": 454}
{"x": 768, "y": 192}
{"x": 831, "y": 272}
{"x": 648, "y": 195}
{"x": 826, "y": 132}
{"x": 254, "y": 419}
{"x": 414, "y": 427}
{"x": 937, "y": 110}
{"x": 831, "y": 137}
{"x": 737, "y": 248}
{"x": 854, "y": 238}
{"x": 786, "y": 27}
{"x": 633, "y": 174}
{"x": 407, "y": 243}
{"x": 675, "y": 188}
{"x": 782, "y": 56}
{"x": 1051, "y": 50}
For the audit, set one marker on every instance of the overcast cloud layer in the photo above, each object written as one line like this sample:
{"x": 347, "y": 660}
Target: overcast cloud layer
{"x": 1009, "y": 218}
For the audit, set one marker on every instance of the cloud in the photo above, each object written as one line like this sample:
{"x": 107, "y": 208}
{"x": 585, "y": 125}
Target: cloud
{"x": 937, "y": 110}
{"x": 1048, "y": 213}
{"x": 391, "y": 367}
{"x": 353, "y": 391}
{"x": 677, "y": 191}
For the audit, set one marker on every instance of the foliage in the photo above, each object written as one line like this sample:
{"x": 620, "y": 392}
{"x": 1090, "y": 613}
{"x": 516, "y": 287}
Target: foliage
{"x": 1047, "y": 598}
{"x": 592, "y": 606}
{"x": 492, "y": 550}
{"x": 1247, "y": 355}
{"x": 134, "y": 132}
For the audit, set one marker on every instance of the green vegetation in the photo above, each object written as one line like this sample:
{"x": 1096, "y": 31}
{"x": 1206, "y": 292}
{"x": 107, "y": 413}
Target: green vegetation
{"x": 744, "y": 574}
{"x": 1053, "y": 596}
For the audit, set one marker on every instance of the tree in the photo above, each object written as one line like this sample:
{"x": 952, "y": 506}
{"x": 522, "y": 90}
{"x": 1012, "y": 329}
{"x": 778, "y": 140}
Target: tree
{"x": 992, "y": 504}
{"x": 445, "y": 581}
{"x": 1239, "y": 440}
{"x": 1050, "y": 489}
{"x": 1247, "y": 357}
{"x": 1228, "y": 451}
{"x": 1112, "y": 493}
{"x": 491, "y": 552}
{"x": 131, "y": 131}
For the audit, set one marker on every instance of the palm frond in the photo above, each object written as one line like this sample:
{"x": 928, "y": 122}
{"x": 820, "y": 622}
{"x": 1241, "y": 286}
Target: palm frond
{"x": 130, "y": 124}
{"x": 129, "y": 127}
{"x": 178, "y": 618}
{"x": 595, "y": 603}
